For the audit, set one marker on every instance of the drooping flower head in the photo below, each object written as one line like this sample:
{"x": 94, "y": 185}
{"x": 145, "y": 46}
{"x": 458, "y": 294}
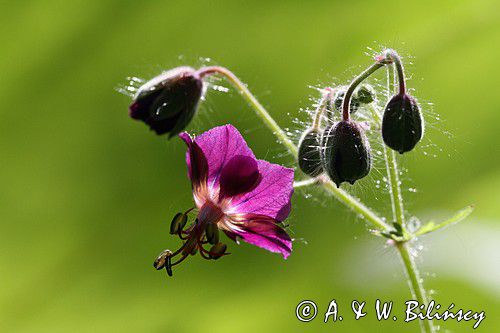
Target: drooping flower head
{"x": 346, "y": 153}
{"x": 235, "y": 193}
{"x": 168, "y": 102}
{"x": 402, "y": 124}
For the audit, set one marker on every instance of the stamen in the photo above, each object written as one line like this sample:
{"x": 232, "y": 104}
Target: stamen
{"x": 189, "y": 210}
{"x": 180, "y": 260}
{"x": 204, "y": 256}
{"x": 212, "y": 255}
{"x": 194, "y": 237}
{"x": 180, "y": 249}
{"x": 168, "y": 266}
{"x": 182, "y": 237}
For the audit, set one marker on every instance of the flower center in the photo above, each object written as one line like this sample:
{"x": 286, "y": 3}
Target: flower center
{"x": 210, "y": 213}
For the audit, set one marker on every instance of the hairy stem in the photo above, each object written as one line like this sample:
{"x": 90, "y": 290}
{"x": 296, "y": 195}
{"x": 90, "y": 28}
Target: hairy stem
{"x": 412, "y": 273}
{"x": 394, "y": 57}
{"x": 320, "y": 110}
{"x": 393, "y": 182}
{"x": 395, "y": 187}
{"x": 254, "y": 103}
{"x": 356, "y": 206}
{"x": 346, "y": 103}
{"x": 391, "y": 163}
{"x": 415, "y": 283}
{"x": 306, "y": 182}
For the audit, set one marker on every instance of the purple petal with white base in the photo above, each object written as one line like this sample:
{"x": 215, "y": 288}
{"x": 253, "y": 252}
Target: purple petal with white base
{"x": 263, "y": 232}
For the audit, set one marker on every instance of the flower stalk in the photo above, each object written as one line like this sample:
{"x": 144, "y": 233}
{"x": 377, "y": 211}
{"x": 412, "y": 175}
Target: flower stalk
{"x": 254, "y": 103}
{"x": 394, "y": 186}
{"x": 320, "y": 110}
{"x": 393, "y": 181}
{"x": 346, "y": 104}
{"x": 393, "y": 56}
{"x": 390, "y": 155}
{"x": 412, "y": 273}
{"x": 414, "y": 282}
{"x": 307, "y": 182}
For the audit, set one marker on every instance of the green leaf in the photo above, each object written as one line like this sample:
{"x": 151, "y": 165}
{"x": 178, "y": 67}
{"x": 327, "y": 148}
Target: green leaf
{"x": 432, "y": 226}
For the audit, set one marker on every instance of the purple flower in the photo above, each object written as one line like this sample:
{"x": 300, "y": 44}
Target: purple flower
{"x": 236, "y": 193}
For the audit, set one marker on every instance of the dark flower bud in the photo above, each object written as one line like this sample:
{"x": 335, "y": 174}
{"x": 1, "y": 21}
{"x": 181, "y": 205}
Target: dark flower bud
{"x": 178, "y": 223}
{"x": 338, "y": 99}
{"x": 168, "y": 102}
{"x": 402, "y": 124}
{"x": 309, "y": 155}
{"x": 365, "y": 94}
{"x": 217, "y": 250}
{"x": 212, "y": 233}
{"x": 346, "y": 156}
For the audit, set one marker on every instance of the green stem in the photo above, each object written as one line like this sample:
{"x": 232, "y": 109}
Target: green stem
{"x": 356, "y": 206}
{"x": 341, "y": 195}
{"x": 412, "y": 273}
{"x": 305, "y": 182}
{"x": 395, "y": 187}
{"x": 394, "y": 57}
{"x": 415, "y": 283}
{"x": 254, "y": 103}
{"x": 392, "y": 175}
{"x": 391, "y": 163}
{"x": 320, "y": 110}
{"x": 346, "y": 103}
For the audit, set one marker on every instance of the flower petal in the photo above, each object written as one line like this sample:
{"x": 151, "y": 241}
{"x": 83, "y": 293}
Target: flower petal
{"x": 220, "y": 145}
{"x": 196, "y": 162}
{"x": 263, "y": 232}
{"x": 271, "y": 197}
{"x": 238, "y": 176}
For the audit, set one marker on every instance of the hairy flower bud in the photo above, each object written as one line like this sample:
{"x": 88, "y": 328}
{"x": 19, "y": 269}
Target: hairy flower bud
{"x": 402, "y": 124}
{"x": 178, "y": 223}
{"x": 168, "y": 102}
{"x": 346, "y": 156}
{"x": 309, "y": 155}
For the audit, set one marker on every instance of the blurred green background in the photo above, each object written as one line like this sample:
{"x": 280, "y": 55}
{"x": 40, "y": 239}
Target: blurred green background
{"x": 87, "y": 193}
